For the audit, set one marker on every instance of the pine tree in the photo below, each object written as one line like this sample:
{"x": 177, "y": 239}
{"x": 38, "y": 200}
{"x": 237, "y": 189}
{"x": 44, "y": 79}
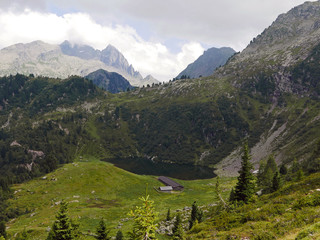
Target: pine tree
{"x": 62, "y": 228}
{"x": 168, "y": 218}
{"x": 119, "y": 235}
{"x": 231, "y": 196}
{"x": 283, "y": 169}
{"x": 245, "y": 186}
{"x": 102, "y": 233}
{"x": 177, "y": 231}
{"x": 276, "y": 182}
{"x": 3, "y": 232}
{"x": 194, "y": 213}
{"x": 144, "y": 217}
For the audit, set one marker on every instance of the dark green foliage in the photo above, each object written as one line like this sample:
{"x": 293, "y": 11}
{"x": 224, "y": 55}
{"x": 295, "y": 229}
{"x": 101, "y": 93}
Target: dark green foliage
{"x": 119, "y": 235}
{"x": 283, "y": 169}
{"x": 3, "y": 232}
{"x": 307, "y": 73}
{"x": 22, "y": 236}
{"x": 196, "y": 215}
{"x": 177, "y": 230}
{"x": 102, "y": 232}
{"x": 109, "y": 81}
{"x": 265, "y": 85}
{"x": 168, "y": 218}
{"x": 245, "y": 187}
{"x": 276, "y": 182}
{"x": 63, "y": 229}
{"x": 178, "y": 131}
{"x": 266, "y": 175}
{"x": 232, "y": 196}
{"x": 313, "y": 163}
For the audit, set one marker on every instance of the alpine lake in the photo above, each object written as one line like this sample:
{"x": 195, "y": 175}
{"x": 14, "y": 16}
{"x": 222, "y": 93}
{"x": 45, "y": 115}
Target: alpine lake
{"x": 143, "y": 166}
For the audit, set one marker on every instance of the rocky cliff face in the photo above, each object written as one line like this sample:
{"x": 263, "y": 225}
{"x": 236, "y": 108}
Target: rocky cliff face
{"x": 207, "y": 63}
{"x": 63, "y": 60}
{"x": 274, "y": 53}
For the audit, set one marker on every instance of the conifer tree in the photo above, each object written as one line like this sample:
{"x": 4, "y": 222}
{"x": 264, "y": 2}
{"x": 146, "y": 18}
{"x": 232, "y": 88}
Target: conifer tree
{"x": 62, "y": 228}
{"x": 119, "y": 235}
{"x": 245, "y": 186}
{"x": 177, "y": 231}
{"x": 194, "y": 212}
{"x": 3, "y": 232}
{"x": 231, "y": 196}
{"x": 144, "y": 217}
{"x": 283, "y": 169}
{"x": 276, "y": 182}
{"x": 102, "y": 233}
{"x": 196, "y": 215}
{"x": 168, "y": 218}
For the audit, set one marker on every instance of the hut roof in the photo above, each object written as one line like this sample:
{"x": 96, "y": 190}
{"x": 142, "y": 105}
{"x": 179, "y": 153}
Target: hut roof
{"x": 169, "y": 182}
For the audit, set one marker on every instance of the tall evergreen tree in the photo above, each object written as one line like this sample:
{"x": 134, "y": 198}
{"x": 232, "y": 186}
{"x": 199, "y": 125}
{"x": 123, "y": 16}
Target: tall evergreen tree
{"x": 168, "y": 218}
{"x": 102, "y": 233}
{"x": 196, "y": 215}
{"x": 62, "y": 228}
{"x": 194, "y": 212}
{"x": 246, "y": 184}
{"x": 276, "y": 182}
{"x": 119, "y": 235}
{"x": 177, "y": 231}
{"x": 3, "y": 232}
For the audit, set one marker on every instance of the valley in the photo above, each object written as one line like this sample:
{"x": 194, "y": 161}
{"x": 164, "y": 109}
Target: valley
{"x": 96, "y": 190}
{"x": 65, "y": 120}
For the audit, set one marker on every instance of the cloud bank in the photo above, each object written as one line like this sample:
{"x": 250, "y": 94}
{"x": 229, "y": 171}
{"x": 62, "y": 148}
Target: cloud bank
{"x": 148, "y": 57}
{"x": 158, "y": 37}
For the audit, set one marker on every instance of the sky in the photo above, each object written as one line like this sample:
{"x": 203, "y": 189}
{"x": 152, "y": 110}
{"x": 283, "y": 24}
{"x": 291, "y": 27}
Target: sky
{"x": 158, "y": 37}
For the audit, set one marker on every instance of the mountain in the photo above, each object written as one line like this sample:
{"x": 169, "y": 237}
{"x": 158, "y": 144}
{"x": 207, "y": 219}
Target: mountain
{"x": 64, "y": 60}
{"x": 268, "y": 94}
{"x": 112, "y": 82}
{"x": 208, "y": 62}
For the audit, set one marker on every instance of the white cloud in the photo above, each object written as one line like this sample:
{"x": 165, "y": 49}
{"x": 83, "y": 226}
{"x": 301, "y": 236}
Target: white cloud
{"x": 146, "y": 56}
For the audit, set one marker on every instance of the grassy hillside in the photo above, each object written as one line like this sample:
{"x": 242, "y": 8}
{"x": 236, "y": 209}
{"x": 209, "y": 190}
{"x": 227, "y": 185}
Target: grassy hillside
{"x": 291, "y": 213}
{"x": 97, "y": 190}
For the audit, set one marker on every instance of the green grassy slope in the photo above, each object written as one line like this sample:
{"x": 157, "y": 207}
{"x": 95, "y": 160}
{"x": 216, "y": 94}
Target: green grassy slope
{"x": 97, "y": 190}
{"x": 291, "y": 213}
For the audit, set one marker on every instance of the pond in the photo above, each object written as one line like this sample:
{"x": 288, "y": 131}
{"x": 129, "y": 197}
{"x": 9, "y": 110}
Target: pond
{"x": 143, "y": 166}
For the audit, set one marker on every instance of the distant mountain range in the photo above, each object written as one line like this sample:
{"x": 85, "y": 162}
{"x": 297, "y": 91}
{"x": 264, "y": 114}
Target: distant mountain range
{"x": 207, "y": 63}
{"x": 66, "y": 59}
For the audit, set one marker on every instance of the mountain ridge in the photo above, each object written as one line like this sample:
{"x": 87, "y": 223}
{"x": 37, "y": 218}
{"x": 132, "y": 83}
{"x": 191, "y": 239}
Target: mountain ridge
{"x": 40, "y": 58}
{"x": 207, "y": 63}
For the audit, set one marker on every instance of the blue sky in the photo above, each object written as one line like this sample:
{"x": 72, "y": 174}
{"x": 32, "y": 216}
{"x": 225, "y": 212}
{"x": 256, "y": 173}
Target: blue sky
{"x": 158, "y": 37}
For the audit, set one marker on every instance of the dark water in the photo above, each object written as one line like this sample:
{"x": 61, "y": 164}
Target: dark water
{"x": 144, "y": 166}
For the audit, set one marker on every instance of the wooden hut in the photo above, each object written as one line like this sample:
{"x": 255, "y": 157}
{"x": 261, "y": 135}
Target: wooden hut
{"x": 169, "y": 182}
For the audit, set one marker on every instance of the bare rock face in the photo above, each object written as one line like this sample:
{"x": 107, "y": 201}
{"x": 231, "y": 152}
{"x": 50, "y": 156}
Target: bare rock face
{"x": 63, "y": 60}
{"x": 288, "y": 41}
{"x": 207, "y": 63}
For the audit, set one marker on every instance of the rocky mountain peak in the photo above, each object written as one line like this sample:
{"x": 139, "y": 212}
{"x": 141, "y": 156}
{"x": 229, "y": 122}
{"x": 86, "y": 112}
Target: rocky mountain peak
{"x": 112, "y": 57}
